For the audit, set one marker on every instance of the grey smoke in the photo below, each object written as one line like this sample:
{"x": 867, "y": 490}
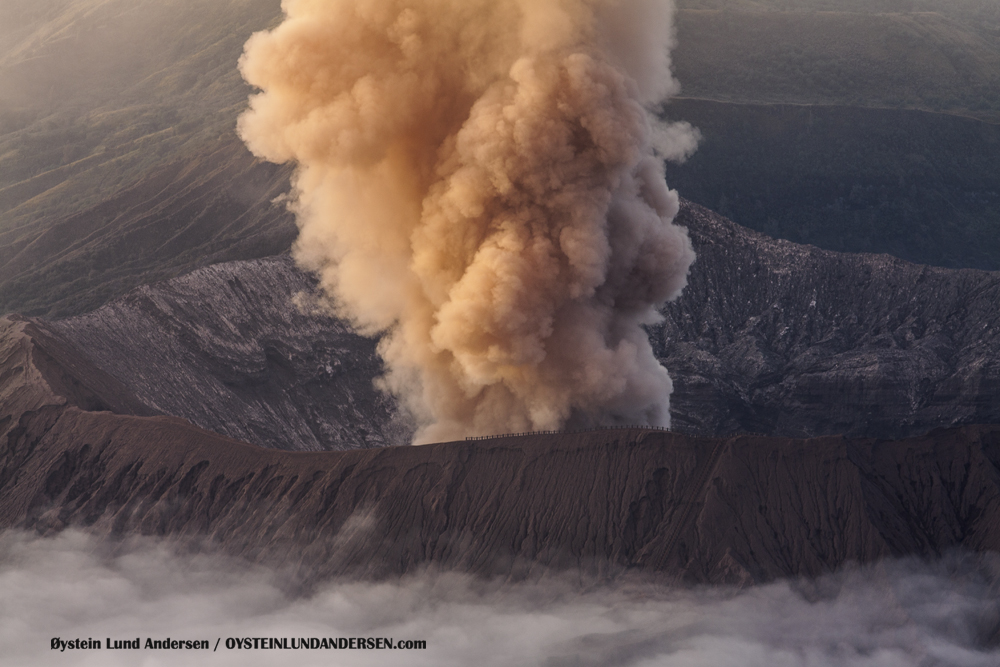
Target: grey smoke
{"x": 894, "y": 614}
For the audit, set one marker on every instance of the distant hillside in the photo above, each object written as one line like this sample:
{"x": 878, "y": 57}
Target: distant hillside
{"x": 95, "y": 92}
{"x": 116, "y": 120}
{"x": 856, "y": 126}
{"x": 119, "y": 164}
{"x": 980, "y": 14}
{"x": 922, "y": 186}
{"x": 216, "y": 205}
{"x": 897, "y": 60}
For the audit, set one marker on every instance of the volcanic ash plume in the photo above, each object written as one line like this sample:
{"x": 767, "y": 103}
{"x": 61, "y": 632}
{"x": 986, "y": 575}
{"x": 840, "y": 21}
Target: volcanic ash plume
{"x": 481, "y": 180}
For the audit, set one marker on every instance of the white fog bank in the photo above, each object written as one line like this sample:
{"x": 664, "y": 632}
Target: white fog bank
{"x": 895, "y": 614}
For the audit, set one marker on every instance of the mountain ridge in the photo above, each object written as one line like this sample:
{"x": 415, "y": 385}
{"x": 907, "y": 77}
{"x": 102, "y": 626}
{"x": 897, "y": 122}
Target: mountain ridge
{"x": 81, "y": 447}
{"x": 769, "y": 337}
{"x": 737, "y": 510}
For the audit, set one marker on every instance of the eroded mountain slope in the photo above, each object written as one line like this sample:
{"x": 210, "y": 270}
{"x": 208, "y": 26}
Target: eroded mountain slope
{"x": 227, "y": 348}
{"x": 768, "y": 337}
{"x": 77, "y": 449}
{"x": 786, "y": 339}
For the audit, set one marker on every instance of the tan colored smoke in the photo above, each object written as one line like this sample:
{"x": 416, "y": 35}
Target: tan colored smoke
{"x": 481, "y": 179}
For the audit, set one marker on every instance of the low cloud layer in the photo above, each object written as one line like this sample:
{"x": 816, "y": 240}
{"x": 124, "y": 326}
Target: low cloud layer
{"x": 895, "y": 614}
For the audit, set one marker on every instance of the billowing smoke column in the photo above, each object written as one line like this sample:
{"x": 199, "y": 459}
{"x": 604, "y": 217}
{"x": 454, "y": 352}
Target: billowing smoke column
{"x": 481, "y": 180}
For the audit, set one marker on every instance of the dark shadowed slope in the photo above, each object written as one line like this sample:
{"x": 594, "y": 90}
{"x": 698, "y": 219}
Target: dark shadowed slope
{"x": 785, "y": 339}
{"x": 919, "y": 185}
{"x": 738, "y": 510}
{"x": 811, "y": 129}
{"x": 226, "y": 348}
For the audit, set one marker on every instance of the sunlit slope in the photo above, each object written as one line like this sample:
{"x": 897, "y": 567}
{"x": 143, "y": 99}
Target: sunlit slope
{"x": 112, "y": 112}
{"x": 203, "y": 208}
{"x": 95, "y": 91}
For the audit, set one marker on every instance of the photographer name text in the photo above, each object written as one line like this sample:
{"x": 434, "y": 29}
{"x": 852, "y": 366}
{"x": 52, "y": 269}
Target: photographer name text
{"x": 236, "y": 643}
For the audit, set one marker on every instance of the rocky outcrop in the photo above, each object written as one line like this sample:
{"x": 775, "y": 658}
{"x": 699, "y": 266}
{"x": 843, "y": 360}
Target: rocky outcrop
{"x": 785, "y": 339}
{"x": 227, "y": 348}
{"x": 605, "y": 503}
